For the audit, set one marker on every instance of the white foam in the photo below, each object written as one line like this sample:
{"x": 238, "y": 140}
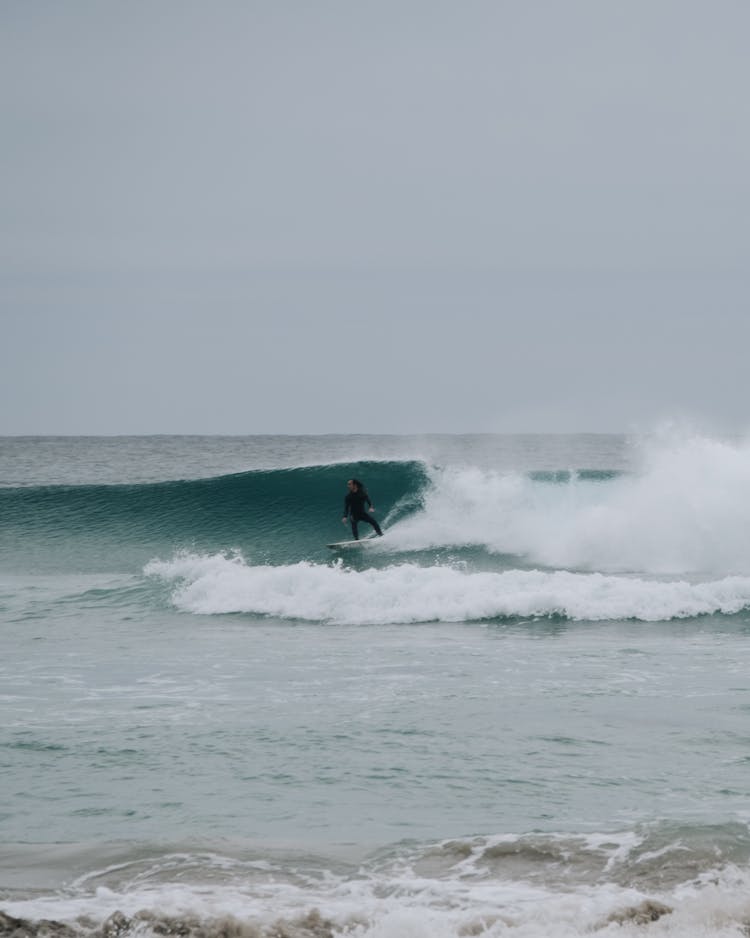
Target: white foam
{"x": 406, "y": 593}
{"x": 395, "y": 902}
{"x": 685, "y": 509}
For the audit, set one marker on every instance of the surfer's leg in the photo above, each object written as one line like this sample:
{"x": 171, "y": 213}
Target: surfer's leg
{"x": 355, "y": 531}
{"x": 370, "y": 520}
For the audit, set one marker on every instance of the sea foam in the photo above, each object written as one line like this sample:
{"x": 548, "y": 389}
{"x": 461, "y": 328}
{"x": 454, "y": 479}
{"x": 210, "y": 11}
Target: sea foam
{"x": 684, "y": 509}
{"x": 397, "y": 899}
{"x": 406, "y": 592}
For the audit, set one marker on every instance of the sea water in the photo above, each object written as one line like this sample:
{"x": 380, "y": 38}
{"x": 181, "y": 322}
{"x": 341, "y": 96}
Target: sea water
{"x": 523, "y": 711}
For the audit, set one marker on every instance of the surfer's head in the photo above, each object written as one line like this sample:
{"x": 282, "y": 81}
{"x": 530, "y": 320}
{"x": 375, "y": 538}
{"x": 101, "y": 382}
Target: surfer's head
{"x": 354, "y": 485}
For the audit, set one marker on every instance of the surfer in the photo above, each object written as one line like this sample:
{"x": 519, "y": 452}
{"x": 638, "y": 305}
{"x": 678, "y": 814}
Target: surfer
{"x": 354, "y": 508}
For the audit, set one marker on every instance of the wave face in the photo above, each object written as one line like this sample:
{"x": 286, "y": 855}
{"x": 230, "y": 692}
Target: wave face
{"x": 276, "y": 516}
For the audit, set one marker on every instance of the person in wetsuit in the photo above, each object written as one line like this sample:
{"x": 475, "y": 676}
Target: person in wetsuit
{"x": 354, "y": 508}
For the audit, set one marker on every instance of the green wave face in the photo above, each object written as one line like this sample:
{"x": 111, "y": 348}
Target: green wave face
{"x": 271, "y": 516}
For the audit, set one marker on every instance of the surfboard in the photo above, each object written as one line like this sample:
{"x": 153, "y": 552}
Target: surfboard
{"x": 344, "y": 545}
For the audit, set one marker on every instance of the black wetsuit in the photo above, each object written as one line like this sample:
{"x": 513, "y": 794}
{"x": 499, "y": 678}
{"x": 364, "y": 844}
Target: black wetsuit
{"x": 354, "y": 510}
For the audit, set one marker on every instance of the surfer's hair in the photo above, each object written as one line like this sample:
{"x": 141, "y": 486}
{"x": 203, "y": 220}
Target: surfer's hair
{"x": 357, "y": 483}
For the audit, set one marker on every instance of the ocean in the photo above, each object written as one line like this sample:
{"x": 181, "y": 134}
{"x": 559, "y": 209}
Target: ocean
{"x": 524, "y": 711}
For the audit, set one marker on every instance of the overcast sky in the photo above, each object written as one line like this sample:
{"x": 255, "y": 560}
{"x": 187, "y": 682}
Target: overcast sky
{"x": 310, "y": 217}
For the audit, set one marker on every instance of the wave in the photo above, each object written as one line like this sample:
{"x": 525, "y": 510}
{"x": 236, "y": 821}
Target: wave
{"x": 406, "y": 593}
{"x": 685, "y": 510}
{"x": 693, "y": 882}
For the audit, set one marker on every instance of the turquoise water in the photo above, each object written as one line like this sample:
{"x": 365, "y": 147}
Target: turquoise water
{"x": 524, "y": 710}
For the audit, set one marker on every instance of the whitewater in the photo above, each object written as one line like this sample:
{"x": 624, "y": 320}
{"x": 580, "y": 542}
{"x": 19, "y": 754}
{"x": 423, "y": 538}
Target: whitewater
{"x": 523, "y": 711}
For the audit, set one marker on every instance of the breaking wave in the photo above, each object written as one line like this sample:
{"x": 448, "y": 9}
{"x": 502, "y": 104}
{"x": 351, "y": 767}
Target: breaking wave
{"x": 411, "y": 593}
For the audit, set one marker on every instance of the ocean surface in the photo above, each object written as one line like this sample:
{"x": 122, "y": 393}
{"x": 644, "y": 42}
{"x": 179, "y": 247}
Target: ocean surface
{"x": 525, "y": 711}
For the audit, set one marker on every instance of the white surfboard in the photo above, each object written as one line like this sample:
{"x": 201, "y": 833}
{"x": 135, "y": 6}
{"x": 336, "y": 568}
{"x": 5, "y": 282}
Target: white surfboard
{"x": 345, "y": 545}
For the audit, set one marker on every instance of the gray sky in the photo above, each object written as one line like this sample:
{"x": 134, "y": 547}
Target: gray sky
{"x": 406, "y": 216}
